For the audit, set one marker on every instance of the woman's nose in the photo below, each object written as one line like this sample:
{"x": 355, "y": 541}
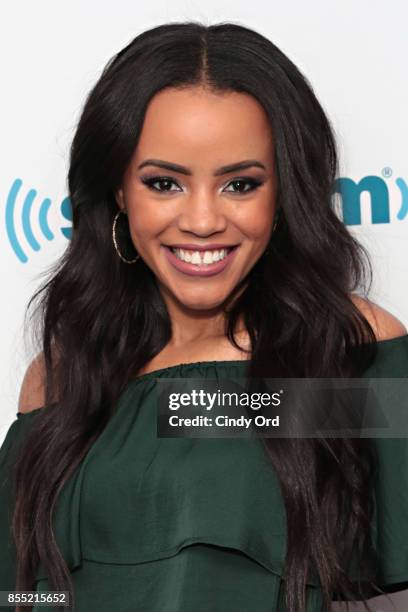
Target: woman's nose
{"x": 202, "y": 214}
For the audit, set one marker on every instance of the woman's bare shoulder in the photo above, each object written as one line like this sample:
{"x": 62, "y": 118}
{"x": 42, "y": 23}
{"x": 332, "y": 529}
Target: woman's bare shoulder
{"x": 32, "y": 391}
{"x": 385, "y": 325}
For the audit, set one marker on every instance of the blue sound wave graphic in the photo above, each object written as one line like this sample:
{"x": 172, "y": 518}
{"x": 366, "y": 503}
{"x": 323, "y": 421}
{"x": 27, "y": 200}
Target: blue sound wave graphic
{"x": 25, "y": 220}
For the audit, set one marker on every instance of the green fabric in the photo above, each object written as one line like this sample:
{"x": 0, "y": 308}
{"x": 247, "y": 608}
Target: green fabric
{"x": 175, "y": 525}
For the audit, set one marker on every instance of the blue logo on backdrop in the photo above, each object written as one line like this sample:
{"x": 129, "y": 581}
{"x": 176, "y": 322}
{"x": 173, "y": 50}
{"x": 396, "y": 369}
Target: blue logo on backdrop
{"x": 26, "y": 219}
{"x": 349, "y": 190}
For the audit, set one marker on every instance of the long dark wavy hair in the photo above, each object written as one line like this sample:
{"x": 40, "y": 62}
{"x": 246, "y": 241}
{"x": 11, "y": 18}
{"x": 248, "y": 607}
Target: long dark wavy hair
{"x": 101, "y": 320}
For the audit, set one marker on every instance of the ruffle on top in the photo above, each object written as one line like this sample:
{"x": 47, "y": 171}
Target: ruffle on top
{"x": 165, "y": 524}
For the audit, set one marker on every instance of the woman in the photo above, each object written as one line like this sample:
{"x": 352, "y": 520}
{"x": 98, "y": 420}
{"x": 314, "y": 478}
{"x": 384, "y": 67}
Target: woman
{"x": 204, "y": 244}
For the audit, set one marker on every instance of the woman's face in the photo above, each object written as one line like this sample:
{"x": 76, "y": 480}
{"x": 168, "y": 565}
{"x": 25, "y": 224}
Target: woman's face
{"x": 198, "y": 220}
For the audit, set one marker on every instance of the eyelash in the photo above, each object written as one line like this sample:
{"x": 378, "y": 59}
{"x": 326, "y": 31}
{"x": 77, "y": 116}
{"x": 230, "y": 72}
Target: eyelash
{"x": 150, "y": 180}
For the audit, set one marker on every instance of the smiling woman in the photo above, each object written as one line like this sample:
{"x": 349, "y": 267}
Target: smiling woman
{"x": 204, "y": 218}
{"x": 205, "y": 245}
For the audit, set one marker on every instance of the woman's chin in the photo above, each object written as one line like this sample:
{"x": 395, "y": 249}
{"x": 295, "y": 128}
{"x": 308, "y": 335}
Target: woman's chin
{"x": 201, "y": 304}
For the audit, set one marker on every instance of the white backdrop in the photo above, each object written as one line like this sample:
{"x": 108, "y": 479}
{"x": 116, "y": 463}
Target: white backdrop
{"x": 354, "y": 54}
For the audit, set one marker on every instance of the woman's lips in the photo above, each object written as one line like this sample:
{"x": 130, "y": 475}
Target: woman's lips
{"x": 199, "y": 269}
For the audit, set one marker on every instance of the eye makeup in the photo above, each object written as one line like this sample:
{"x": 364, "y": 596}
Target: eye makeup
{"x": 151, "y": 180}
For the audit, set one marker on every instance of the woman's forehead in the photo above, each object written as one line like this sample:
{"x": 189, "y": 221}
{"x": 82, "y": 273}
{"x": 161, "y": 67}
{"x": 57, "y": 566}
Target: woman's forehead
{"x": 200, "y": 121}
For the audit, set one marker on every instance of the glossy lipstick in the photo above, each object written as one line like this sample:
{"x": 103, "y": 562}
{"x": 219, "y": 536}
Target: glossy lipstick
{"x": 199, "y": 269}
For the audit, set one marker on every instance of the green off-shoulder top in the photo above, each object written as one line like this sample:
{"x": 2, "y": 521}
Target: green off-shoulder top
{"x": 192, "y": 524}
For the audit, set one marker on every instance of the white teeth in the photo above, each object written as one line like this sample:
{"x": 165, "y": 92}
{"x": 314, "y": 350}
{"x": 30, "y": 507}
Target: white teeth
{"x": 186, "y": 255}
{"x": 200, "y": 257}
{"x": 208, "y": 258}
{"x": 196, "y": 259}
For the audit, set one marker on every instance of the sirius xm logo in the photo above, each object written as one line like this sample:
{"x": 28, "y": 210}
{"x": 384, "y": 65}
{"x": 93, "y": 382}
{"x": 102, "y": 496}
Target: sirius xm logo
{"x": 378, "y": 189}
{"x": 24, "y": 210}
{"x": 28, "y": 227}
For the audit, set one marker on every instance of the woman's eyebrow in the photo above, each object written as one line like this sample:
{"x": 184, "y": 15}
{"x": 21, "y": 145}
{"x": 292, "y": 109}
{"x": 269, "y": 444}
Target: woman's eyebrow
{"x": 242, "y": 165}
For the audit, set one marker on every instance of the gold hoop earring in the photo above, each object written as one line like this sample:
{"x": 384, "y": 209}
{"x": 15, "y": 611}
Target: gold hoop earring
{"x": 128, "y": 261}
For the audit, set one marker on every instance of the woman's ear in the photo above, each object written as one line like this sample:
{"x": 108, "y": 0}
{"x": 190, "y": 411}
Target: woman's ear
{"x": 120, "y": 200}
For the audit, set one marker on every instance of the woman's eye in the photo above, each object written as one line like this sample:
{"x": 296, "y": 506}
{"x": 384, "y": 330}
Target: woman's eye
{"x": 242, "y": 183}
{"x": 164, "y": 183}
